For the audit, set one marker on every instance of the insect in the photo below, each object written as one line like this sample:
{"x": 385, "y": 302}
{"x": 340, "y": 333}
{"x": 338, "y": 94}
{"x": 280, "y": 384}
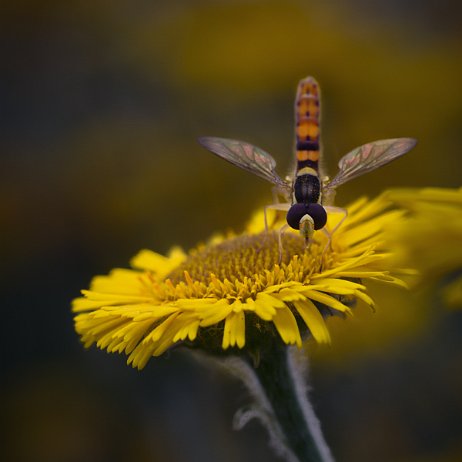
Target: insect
{"x": 308, "y": 191}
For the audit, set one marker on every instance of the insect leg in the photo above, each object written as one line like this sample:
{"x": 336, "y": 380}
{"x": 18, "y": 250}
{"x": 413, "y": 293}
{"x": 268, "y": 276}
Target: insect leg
{"x": 277, "y": 206}
{"x": 330, "y": 233}
{"x": 341, "y": 210}
{"x": 275, "y": 192}
{"x": 281, "y": 232}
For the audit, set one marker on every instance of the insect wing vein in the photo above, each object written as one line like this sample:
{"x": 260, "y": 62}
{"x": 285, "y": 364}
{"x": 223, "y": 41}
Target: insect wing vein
{"x": 247, "y": 157}
{"x": 370, "y": 156}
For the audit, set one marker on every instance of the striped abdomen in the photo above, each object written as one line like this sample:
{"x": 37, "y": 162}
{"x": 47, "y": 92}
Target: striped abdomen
{"x": 306, "y": 213}
{"x": 307, "y": 118}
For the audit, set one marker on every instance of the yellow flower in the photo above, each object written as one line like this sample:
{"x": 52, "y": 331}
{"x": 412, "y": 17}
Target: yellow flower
{"x": 430, "y": 238}
{"x": 239, "y": 291}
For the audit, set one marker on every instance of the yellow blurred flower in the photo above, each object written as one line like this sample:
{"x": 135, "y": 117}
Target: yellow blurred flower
{"x": 239, "y": 291}
{"x": 430, "y": 238}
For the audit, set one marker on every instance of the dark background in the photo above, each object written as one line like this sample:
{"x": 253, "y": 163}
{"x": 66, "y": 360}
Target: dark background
{"x": 100, "y": 107}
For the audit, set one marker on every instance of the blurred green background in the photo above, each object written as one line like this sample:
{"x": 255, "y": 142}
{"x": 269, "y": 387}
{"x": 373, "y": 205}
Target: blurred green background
{"x": 100, "y": 107}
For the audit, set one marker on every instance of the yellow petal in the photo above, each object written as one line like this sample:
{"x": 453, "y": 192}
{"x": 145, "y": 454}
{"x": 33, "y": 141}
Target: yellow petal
{"x": 215, "y": 314}
{"x": 290, "y": 295}
{"x": 158, "y": 264}
{"x": 160, "y": 330}
{"x": 327, "y": 300}
{"x": 121, "y": 281}
{"x": 264, "y": 310}
{"x": 287, "y": 327}
{"x": 313, "y": 319}
{"x": 340, "y": 283}
{"x": 234, "y": 331}
{"x": 115, "y": 297}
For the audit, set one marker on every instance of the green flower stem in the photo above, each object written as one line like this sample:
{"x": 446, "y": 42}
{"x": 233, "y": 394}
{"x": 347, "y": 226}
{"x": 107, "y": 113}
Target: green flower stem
{"x": 284, "y": 387}
{"x": 276, "y": 381}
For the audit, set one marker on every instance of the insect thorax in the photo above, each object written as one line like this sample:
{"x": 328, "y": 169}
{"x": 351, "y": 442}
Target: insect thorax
{"x": 307, "y": 188}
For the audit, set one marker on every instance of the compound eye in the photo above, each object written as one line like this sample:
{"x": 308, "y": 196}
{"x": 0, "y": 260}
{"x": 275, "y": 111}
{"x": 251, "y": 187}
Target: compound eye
{"x": 295, "y": 214}
{"x": 319, "y": 215}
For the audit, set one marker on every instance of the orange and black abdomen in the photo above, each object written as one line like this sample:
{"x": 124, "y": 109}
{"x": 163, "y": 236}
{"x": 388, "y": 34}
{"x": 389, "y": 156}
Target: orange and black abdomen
{"x": 307, "y": 186}
{"x": 307, "y": 119}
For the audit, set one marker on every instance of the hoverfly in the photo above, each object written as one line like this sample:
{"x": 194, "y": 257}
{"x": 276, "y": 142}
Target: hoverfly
{"x": 308, "y": 192}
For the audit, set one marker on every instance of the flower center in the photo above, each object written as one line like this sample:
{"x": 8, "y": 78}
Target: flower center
{"x": 243, "y": 256}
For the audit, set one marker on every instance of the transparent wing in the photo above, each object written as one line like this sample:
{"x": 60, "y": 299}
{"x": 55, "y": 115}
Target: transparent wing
{"x": 247, "y": 157}
{"x": 368, "y": 157}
